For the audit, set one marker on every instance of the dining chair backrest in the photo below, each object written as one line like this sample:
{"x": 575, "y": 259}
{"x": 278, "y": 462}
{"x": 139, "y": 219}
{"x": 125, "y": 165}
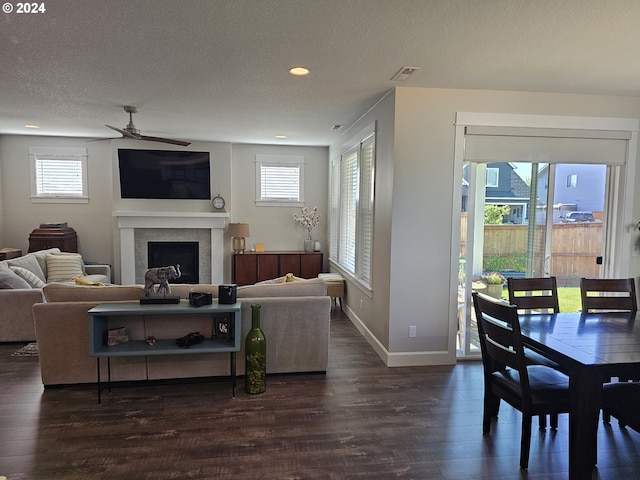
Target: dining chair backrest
{"x": 500, "y": 338}
{"x": 613, "y": 294}
{"x": 535, "y": 295}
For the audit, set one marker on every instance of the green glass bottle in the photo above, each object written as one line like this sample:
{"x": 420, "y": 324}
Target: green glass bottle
{"x": 255, "y": 347}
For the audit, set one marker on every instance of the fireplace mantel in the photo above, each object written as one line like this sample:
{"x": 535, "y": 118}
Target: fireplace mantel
{"x": 129, "y": 221}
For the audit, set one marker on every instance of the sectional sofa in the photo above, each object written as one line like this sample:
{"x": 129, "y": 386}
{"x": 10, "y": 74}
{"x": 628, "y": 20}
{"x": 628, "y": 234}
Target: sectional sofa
{"x": 21, "y": 282}
{"x": 295, "y": 318}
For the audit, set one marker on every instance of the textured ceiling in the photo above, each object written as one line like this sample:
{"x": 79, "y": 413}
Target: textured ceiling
{"x": 217, "y": 69}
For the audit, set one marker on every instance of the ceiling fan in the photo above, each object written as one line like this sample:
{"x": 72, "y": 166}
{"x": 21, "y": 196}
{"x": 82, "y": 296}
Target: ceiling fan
{"x": 130, "y": 131}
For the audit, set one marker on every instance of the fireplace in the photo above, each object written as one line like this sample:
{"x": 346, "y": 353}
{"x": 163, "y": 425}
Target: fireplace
{"x": 185, "y": 254}
{"x": 139, "y": 228}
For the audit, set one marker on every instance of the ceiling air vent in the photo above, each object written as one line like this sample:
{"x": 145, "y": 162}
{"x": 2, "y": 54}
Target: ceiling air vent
{"x": 404, "y": 73}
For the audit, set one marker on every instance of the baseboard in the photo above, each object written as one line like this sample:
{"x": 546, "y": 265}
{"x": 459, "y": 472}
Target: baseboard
{"x": 398, "y": 359}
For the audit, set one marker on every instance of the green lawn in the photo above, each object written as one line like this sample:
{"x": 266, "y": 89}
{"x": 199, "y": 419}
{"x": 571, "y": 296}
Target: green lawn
{"x": 569, "y": 299}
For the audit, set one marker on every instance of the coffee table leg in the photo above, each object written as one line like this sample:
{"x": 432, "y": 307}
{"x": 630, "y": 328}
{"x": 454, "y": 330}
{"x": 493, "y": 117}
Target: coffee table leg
{"x": 99, "y": 386}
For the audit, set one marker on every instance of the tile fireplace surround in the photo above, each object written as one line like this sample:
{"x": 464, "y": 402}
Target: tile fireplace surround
{"x": 175, "y": 226}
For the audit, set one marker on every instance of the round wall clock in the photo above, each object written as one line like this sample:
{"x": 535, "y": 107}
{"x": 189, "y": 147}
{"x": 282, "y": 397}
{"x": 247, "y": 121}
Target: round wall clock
{"x": 218, "y": 202}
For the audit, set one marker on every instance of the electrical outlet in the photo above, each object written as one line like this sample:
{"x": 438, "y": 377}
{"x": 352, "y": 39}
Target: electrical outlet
{"x": 412, "y": 331}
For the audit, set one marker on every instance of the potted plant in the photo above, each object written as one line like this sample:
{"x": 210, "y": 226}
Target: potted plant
{"x": 494, "y": 282}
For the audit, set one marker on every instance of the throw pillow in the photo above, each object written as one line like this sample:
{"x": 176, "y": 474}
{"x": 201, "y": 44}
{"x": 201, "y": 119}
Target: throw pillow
{"x": 29, "y": 277}
{"x": 84, "y": 271}
{"x": 41, "y": 257}
{"x": 30, "y": 263}
{"x": 62, "y": 268}
{"x": 9, "y": 279}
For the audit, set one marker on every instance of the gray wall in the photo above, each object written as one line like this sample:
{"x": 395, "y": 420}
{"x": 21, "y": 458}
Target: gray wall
{"x": 413, "y": 243}
{"x": 233, "y": 174}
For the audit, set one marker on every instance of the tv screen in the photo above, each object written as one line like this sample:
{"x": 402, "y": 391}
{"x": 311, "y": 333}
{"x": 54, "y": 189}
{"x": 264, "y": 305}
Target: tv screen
{"x": 164, "y": 174}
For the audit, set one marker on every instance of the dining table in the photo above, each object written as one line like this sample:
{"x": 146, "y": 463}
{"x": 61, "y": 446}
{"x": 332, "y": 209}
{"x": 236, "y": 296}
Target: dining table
{"x": 592, "y": 349}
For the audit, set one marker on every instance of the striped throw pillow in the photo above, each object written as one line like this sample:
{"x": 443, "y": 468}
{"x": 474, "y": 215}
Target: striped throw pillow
{"x": 62, "y": 268}
{"x": 28, "y": 276}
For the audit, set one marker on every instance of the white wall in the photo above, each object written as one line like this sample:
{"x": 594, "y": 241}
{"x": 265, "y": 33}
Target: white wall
{"x": 273, "y": 225}
{"x": 92, "y": 221}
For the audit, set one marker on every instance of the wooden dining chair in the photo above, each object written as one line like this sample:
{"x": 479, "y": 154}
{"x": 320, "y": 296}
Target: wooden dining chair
{"x": 537, "y": 295}
{"x": 619, "y": 294}
{"x": 622, "y": 401}
{"x": 531, "y": 389}
{"x": 534, "y": 295}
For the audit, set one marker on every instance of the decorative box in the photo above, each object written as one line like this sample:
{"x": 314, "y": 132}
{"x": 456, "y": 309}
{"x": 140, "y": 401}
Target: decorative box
{"x": 116, "y": 336}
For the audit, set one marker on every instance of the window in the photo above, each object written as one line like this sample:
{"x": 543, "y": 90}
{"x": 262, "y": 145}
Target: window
{"x": 279, "y": 180}
{"x": 58, "y": 175}
{"x": 351, "y": 235}
{"x": 572, "y": 180}
{"x": 492, "y": 177}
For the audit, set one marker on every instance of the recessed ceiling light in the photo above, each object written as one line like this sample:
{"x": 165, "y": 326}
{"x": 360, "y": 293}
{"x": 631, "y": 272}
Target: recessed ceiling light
{"x": 31, "y": 126}
{"x": 281, "y": 137}
{"x": 299, "y": 71}
{"x": 404, "y": 73}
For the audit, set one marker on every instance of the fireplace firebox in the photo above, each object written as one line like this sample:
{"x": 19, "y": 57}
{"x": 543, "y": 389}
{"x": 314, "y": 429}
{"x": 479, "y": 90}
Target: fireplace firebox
{"x": 185, "y": 254}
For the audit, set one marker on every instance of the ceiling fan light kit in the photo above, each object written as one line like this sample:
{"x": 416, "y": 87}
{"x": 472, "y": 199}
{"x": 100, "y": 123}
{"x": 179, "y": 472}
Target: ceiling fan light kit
{"x": 130, "y": 131}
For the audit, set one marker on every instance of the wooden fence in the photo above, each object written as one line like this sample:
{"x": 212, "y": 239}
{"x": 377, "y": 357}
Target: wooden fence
{"x": 575, "y": 247}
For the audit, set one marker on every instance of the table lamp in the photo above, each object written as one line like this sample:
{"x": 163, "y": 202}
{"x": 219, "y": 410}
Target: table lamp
{"x": 238, "y": 231}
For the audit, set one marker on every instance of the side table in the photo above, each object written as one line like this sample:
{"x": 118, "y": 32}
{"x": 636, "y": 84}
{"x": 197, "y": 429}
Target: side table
{"x": 335, "y": 286}
{"x": 7, "y": 253}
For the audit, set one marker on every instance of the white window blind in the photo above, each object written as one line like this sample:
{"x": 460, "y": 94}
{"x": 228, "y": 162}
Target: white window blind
{"x": 348, "y": 208}
{"x": 365, "y": 209}
{"x": 279, "y": 180}
{"x": 58, "y": 174}
{"x": 545, "y": 145}
{"x": 352, "y": 205}
{"x": 334, "y": 210}
{"x": 58, "y": 177}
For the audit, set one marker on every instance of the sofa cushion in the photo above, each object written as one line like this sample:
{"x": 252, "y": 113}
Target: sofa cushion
{"x": 303, "y": 288}
{"x": 30, "y": 263}
{"x": 9, "y": 279}
{"x": 27, "y": 276}
{"x": 60, "y": 292}
{"x": 63, "y": 267}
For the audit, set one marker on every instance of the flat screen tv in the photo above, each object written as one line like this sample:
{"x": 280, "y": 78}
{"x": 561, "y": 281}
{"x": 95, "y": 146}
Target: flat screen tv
{"x": 161, "y": 174}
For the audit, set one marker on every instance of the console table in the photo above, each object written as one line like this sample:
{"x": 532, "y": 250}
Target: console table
{"x": 252, "y": 267}
{"x": 105, "y": 316}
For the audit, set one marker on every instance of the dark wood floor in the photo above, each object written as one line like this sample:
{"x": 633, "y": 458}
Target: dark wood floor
{"x": 360, "y": 421}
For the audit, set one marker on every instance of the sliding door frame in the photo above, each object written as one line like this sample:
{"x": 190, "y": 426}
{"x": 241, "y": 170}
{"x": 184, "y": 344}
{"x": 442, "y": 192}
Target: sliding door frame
{"x": 618, "y": 204}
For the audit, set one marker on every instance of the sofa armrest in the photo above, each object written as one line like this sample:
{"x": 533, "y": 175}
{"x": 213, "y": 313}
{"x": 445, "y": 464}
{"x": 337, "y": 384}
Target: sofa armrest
{"x": 16, "y": 319}
{"x": 98, "y": 269}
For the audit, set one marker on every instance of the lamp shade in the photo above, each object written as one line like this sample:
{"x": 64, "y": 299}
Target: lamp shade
{"x": 238, "y": 230}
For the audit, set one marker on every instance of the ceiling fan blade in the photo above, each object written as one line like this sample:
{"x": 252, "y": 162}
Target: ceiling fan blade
{"x": 163, "y": 140}
{"x": 123, "y": 132}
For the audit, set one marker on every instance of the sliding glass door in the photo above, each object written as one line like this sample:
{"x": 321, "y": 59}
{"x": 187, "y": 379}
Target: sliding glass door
{"x": 535, "y": 203}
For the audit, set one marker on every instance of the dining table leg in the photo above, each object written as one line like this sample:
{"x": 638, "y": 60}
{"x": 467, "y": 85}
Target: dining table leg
{"x": 585, "y": 392}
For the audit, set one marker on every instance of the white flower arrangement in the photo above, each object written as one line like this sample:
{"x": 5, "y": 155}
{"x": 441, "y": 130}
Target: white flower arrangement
{"x": 307, "y": 219}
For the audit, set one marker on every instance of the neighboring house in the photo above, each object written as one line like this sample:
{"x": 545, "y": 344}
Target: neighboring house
{"x": 503, "y": 187}
{"x": 577, "y": 187}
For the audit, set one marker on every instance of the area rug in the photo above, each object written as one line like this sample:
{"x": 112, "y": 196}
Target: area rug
{"x": 29, "y": 350}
